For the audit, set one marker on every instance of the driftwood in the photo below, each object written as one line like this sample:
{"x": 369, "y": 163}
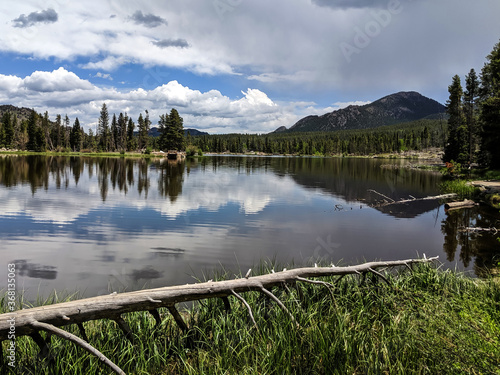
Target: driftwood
{"x": 466, "y": 203}
{"x": 49, "y": 318}
{"x": 478, "y": 229}
{"x": 388, "y": 201}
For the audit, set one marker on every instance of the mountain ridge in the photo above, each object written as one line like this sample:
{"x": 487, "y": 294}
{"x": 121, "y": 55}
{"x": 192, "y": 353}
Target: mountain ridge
{"x": 404, "y": 106}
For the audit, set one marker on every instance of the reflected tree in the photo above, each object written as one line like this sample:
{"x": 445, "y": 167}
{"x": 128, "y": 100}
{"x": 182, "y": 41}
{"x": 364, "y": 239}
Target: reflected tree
{"x": 483, "y": 247}
{"x": 170, "y": 179}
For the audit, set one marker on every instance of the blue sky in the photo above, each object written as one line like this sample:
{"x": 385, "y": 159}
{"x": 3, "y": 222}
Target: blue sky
{"x": 235, "y": 65}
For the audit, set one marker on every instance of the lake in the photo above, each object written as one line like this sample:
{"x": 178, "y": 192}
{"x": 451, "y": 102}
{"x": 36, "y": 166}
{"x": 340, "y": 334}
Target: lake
{"x": 97, "y": 225}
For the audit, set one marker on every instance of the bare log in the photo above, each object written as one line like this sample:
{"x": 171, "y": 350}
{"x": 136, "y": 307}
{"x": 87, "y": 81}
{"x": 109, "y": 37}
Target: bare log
{"x": 466, "y": 203}
{"x": 413, "y": 199}
{"x": 477, "y": 229}
{"x": 111, "y": 306}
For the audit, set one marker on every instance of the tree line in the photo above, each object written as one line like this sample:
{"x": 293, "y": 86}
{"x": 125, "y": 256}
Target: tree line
{"x": 416, "y": 135}
{"x": 39, "y": 133}
{"x": 474, "y": 116}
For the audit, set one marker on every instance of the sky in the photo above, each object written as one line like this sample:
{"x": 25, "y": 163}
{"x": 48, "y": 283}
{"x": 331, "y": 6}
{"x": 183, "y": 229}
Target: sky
{"x": 245, "y": 66}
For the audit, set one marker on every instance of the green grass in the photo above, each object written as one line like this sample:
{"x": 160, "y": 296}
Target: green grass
{"x": 426, "y": 322}
{"x": 460, "y": 187}
{"x": 86, "y": 154}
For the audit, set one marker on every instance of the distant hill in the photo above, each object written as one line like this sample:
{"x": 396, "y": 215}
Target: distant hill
{"x": 392, "y": 109}
{"x": 154, "y": 132}
{"x": 21, "y": 113}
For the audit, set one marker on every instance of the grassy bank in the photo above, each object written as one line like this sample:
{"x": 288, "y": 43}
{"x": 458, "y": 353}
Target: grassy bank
{"x": 86, "y": 154}
{"x": 425, "y": 322}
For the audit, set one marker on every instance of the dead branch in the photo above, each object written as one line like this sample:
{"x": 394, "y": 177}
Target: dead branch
{"x": 413, "y": 199}
{"x": 478, "y": 229}
{"x": 78, "y": 341}
{"x": 248, "y": 308}
{"x": 280, "y": 304}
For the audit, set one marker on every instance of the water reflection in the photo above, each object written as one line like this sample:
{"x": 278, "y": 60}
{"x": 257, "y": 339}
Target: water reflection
{"x": 482, "y": 248}
{"x": 97, "y": 223}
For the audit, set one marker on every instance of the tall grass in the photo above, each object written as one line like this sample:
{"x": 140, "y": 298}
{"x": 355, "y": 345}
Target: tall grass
{"x": 426, "y": 322}
{"x": 460, "y": 187}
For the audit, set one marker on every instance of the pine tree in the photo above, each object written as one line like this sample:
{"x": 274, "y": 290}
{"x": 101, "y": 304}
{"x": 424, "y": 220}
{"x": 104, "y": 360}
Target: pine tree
{"x": 103, "y": 129}
{"x": 113, "y": 134}
{"x": 121, "y": 140}
{"x": 76, "y": 136}
{"x": 175, "y": 139}
{"x": 131, "y": 142}
{"x": 66, "y": 132}
{"x": 162, "y": 128}
{"x": 143, "y": 124}
{"x": 490, "y": 109}
{"x": 457, "y": 146}
{"x": 6, "y": 125}
{"x": 471, "y": 95}
{"x": 32, "y": 126}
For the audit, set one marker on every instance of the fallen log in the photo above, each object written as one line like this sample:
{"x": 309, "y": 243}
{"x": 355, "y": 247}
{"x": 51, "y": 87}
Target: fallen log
{"x": 466, "y": 203}
{"x": 412, "y": 199}
{"x": 478, "y": 229}
{"x": 47, "y": 318}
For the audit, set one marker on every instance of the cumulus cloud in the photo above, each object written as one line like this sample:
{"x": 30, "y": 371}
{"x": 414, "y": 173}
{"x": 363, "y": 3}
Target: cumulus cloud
{"x": 64, "y": 92}
{"x": 165, "y": 43}
{"x": 58, "y": 80}
{"x": 44, "y": 16}
{"x": 103, "y": 76}
{"x": 340, "y": 105}
{"x": 148, "y": 20}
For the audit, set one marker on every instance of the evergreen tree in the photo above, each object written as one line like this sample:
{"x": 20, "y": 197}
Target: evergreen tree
{"x": 76, "y": 136}
{"x": 471, "y": 95}
{"x": 143, "y": 124}
{"x": 66, "y": 132}
{"x": 55, "y": 133}
{"x": 103, "y": 129}
{"x": 2, "y": 134}
{"x": 173, "y": 132}
{"x": 121, "y": 140}
{"x": 113, "y": 134}
{"x": 490, "y": 109}
{"x": 46, "y": 127}
{"x": 131, "y": 142}
{"x": 6, "y": 123}
{"x": 457, "y": 146}
{"x": 32, "y": 144}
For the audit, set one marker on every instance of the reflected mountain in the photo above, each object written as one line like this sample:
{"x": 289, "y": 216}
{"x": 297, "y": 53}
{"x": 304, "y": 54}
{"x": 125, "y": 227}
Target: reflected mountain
{"x": 351, "y": 179}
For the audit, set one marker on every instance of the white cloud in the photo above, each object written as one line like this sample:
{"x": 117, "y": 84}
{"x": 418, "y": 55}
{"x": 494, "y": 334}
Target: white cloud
{"x": 340, "y": 105}
{"x": 58, "y": 80}
{"x": 64, "y": 92}
{"x": 103, "y": 76}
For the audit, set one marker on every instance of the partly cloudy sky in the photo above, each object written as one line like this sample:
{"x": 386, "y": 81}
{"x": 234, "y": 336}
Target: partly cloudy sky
{"x": 235, "y": 65}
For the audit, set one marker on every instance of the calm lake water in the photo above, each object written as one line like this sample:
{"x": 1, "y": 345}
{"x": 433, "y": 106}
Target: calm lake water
{"x": 96, "y": 225}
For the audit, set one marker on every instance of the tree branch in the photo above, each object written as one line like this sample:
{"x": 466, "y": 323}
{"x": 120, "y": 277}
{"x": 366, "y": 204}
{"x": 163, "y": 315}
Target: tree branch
{"x": 78, "y": 341}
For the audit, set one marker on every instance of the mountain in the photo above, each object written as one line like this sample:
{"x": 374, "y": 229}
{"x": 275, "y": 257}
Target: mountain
{"x": 392, "y": 109}
{"x": 21, "y": 113}
{"x": 154, "y": 132}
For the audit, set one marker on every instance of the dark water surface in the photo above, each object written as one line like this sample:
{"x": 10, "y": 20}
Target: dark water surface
{"x": 97, "y": 225}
